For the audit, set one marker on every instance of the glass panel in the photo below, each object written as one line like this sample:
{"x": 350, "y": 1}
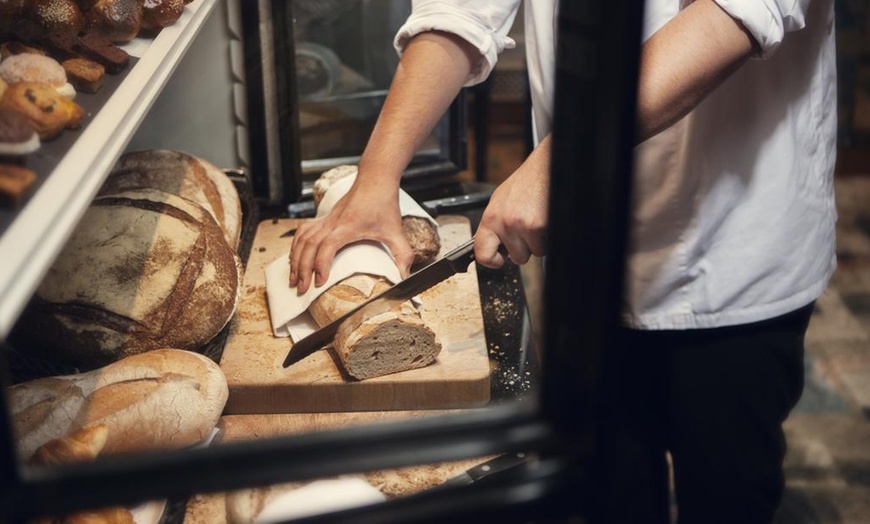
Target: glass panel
{"x": 345, "y": 62}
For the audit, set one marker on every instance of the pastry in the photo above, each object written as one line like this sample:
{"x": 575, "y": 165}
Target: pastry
{"x": 28, "y": 31}
{"x": 86, "y": 75}
{"x": 37, "y": 69}
{"x": 14, "y": 182}
{"x": 117, "y": 20}
{"x": 12, "y": 47}
{"x": 17, "y": 135}
{"x": 161, "y": 13}
{"x": 3, "y": 86}
{"x": 44, "y": 107}
{"x": 56, "y": 16}
{"x": 102, "y": 50}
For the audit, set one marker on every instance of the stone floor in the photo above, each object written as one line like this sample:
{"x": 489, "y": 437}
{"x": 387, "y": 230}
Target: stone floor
{"x": 828, "y": 462}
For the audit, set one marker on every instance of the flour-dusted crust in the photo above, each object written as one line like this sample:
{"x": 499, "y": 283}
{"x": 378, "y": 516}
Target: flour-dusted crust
{"x": 184, "y": 175}
{"x": 161, "y": 399}
{"x": 325, "y": 180}
{"x": 143, "y": 270}
{"x": 424, "y": 240}
{"x": 230, "y": 202}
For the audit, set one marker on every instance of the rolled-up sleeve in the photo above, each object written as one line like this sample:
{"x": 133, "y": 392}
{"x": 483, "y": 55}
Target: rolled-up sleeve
{"x": 768, "y": 20}
{"x": 482, "y": 23}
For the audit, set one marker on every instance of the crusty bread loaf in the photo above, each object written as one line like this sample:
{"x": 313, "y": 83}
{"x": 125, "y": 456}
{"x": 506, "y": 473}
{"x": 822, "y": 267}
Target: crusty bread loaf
{"x": 424, "y": 240}
{"x": 81, "y": 445}
{"x": 230, "y": 202}
{"x": 328, "y": 178}
{"x": 391, "y": 342}
{"x": 144, "y": 269}
{"x": 161, "y": 399}
{"x": 184, "y": 175}
{"x": 394, "y": 341}
{"x": 113, "y": 515}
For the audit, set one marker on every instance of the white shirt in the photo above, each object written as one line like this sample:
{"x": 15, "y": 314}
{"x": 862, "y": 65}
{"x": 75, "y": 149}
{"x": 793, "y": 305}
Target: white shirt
{"x": 733, "y": 216}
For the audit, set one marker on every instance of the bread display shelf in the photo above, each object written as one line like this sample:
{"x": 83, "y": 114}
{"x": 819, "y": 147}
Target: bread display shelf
{"x": 33, "y": 235}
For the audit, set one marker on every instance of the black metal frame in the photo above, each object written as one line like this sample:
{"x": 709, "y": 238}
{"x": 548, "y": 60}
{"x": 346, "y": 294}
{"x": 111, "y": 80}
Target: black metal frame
{"x": 262, "y": 122}
{"x": 592, "y": 150}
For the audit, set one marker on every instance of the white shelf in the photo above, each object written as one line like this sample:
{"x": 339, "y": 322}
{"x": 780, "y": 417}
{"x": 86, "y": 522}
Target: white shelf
{"x": 40, "y": 229}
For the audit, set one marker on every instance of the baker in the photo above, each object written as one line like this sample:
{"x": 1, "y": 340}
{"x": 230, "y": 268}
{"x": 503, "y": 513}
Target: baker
{"x": 732, "y": 231}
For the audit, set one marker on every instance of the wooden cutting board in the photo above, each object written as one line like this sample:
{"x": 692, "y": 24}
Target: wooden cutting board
{"x": 253, "y": 356}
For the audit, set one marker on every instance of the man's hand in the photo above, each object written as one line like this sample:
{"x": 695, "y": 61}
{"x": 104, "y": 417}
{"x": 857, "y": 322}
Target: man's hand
{"x": 516, "y": 216}
{"x": 359, "y": 215}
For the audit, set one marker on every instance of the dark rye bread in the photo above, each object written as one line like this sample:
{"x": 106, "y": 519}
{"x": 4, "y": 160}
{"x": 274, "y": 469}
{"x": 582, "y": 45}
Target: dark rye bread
{"x": 144, "y": 269}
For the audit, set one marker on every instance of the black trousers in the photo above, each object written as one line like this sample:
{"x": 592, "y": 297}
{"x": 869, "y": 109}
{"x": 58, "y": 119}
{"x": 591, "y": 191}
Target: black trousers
{"x": 715, "y": 399}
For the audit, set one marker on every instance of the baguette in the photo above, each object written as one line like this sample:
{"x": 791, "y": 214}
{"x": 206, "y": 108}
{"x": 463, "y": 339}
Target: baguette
{"x": 161, "y": 399}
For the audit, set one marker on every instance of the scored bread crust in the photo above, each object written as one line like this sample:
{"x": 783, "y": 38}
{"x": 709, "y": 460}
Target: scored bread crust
{"x": 162, "y": 399}
{"x": 143, "y": 270}
{"x": 230, "y": 202}
{"x": 184, "y": 175}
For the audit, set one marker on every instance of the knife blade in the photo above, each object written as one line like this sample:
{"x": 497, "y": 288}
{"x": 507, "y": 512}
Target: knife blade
{"x": 455, "y": 261}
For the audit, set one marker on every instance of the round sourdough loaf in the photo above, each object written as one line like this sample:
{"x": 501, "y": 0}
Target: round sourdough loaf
{"x": 230, "y": 202}
{"x": 184, "y": 175}
{"x": 161, "y": 399}
{"x": 144, "y": 269}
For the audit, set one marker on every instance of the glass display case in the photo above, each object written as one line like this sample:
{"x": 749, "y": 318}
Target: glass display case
{"x": 345, "y": 61}
{"x": 320, "y": 112}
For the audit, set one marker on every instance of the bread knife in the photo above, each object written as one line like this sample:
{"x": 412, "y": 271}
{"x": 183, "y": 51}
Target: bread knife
{"x": 456, "y": 261}
{"x": 490, "y": 467}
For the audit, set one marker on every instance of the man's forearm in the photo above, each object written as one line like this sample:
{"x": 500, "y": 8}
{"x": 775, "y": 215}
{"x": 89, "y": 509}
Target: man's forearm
{"x": 684, "y": 61}
{"x": 433, "y": 69}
